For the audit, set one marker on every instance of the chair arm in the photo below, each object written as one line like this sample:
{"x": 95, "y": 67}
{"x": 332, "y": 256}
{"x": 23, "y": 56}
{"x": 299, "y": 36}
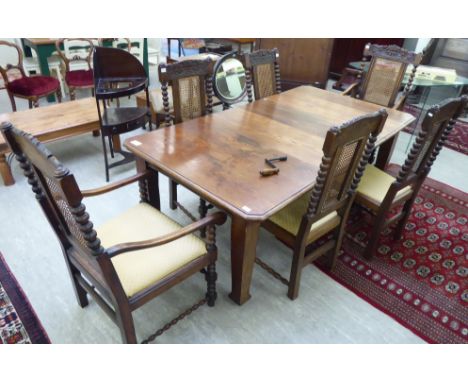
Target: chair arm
{"x": 113, "y": 186}
{"x": 350, "y": 88}
{"x": 217, "y": 218}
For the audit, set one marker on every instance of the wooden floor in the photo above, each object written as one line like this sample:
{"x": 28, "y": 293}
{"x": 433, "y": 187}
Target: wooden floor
{"x": 325, "y": 312}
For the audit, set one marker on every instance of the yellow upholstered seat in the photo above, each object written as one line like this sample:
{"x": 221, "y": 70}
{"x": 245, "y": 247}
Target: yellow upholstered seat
{"x": 138, "y": 270}
{"x": 289, "y": 218}
{"x": 374, "y": 186}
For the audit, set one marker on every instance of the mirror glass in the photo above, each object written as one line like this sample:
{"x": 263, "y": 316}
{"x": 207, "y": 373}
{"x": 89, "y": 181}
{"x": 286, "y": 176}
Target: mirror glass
{"x": 230, "y": 80}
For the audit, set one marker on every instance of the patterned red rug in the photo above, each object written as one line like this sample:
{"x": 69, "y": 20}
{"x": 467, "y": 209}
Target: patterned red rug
{"x": 458, "y": 138}
{"x": 18, "y": 321}
{"x": 422, "y": 280}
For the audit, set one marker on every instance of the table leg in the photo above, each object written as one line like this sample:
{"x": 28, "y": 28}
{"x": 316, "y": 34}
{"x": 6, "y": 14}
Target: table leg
{"x": 151, "y": 185}
{"x": 244, "y": 235}
{"x": 5, "y": 171}
{"x": 385, "y": 152}
{"x": 116, "y": 143}
{"x": 145, "y": 58}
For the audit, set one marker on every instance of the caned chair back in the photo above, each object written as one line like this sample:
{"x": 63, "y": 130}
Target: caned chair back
{"x": 345, "y": 154}
{"x": 386, "y": 72}
{"x": 11, "y": 72}
{"x": 262, "y": 70}
{"x": 56, "y": 190}
{"x": 192, "y": 88}
{"x": 435, "y": 128}
{"x": 75, "y": 50}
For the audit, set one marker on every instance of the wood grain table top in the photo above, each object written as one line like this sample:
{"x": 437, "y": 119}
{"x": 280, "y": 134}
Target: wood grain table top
{"x": 219, "y": 156}
{"x": 55, "y": 119}
{"x": 42, "y": 41}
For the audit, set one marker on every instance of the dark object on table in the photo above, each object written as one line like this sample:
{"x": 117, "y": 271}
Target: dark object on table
{"x": 121, "y": 264}
{"x": 229, "y": 79}
{"x": 273, "y": 170}
{"x": 379, "y": 193}
{"x": 117, "y": 73}
{"x": 21, "y": 86}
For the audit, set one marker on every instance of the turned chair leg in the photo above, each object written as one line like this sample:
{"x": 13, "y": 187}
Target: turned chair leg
{"x": 172, "y": 194}
{"x": 71, "y": 91}
{"x": 12, "y": 101}
{"x": 36, "y": 103}
{"x": 374, "y": 238}
{"x": 59, "y": 95}
{"x": 30, "y": 104}
{"x": 211, "y": 276}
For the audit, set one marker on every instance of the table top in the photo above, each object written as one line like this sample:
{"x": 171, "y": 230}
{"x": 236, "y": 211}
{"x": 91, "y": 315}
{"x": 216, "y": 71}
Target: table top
{"x": 54, "y": 118}
{"x": 460, "y": 80}
{"x": 219, "y": 156}
{"x": 42, "y": 41}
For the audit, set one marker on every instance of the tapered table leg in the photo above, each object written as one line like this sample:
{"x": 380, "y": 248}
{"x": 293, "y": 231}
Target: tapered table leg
{"x": 5, "y": 171}
{"x": 244, "y": 235}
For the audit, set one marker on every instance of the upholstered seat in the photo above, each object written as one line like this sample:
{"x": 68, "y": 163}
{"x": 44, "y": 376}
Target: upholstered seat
{"x": 374, "y": 187}
{"x": 33, "y": 86}
{"x": 138, "y": 270}
{"x": 79, "y": 78}
{"x": 289, "y": 218}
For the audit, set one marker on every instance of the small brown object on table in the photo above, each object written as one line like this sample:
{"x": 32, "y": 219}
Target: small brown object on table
{"x": 221, "y": 152}
{"x": 50, "y": 123}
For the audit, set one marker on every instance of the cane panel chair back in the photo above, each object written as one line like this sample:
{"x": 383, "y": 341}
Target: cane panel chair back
{"x": 11, "y": 72}
{"x": 345, "y": 153}
{"x": 57, "y": 191}
{"x": 192, "y": 89}
{"x": 262, "y": 70}
{"x": 386, "y": 72}
{"x": 435, "y": 128}
{"x": 77, "y": 53}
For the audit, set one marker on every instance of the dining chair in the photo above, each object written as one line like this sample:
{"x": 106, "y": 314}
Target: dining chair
{"x": 382, "y": 81}
{"x": 77, "y": 56}
{"x": 191, "y": 85}
{"x": 380, "y": 193}
{"x": 31, "y": 88}
{"x": 263, "y": 72}
{"x": 131, "y": 258}
{"x": 323, "y": 212}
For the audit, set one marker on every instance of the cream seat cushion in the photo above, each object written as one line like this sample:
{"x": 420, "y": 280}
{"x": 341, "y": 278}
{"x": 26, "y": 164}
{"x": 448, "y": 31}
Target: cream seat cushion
{"x": 138, "y": 270}
{"x": 374, "y": 186}
{"x": 289, "y": 218}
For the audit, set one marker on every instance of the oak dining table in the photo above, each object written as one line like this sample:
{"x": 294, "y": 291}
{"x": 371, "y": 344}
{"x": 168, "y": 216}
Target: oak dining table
{"x": 218, "y": 157}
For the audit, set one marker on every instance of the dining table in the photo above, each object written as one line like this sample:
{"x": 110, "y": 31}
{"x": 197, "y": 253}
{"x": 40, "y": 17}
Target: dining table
{"x": 219, "y": 156}
{"x": 45, "y": 47}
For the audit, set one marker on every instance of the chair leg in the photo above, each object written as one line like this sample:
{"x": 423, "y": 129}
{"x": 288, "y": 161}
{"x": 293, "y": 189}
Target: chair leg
{"x": 80, "y": 292}
{"x": 12, "y": 101}
{"x": 59, "y": 95}
{"x": 333, "y": 256}
{"x": 126, "y": 325}
{"x": 211, "y": 276}
{"x": 36, "y": 103}
{"x": 407, "y": 207}
{"x": 111, "y": 147}
{"x": 374, "y": 238}
{"x": 172, "y": 194}
{"x": 296, "y": 271}
{"x": 105, "y": 156}
{"x": 30, "y": 104}
{"x": 72, "y": 93}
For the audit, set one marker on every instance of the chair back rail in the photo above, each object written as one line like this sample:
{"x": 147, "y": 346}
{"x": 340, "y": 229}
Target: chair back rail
{"x": 262, "y": 71}
{"x": 192, "y": 89}
{"x": 75, "y": 50}
{"x": 8, "y": 68}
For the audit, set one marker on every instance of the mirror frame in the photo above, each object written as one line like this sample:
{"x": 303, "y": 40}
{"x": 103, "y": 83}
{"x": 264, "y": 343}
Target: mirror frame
{"x": 224, "y": 100}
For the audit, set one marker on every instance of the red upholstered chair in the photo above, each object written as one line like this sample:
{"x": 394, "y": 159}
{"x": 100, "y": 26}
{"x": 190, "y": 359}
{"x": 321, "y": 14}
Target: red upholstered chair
{"x": 77, "y": 58}
{"x": 19, "y": 85}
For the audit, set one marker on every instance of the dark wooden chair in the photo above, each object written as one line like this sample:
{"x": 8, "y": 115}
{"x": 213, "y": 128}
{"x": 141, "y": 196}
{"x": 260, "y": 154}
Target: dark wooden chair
{"x": 77, "y": 56}
{"x": 117, "y": 73}
{"x": 379, "y": 192}
{"x": 262, "y": 71}
{"x": 128, "y": 260}
{"x": 192, "y": 96}
{"x": 31, "y": 88}
{"x": 382, "y": 81}
{"x": 325, "y": 209}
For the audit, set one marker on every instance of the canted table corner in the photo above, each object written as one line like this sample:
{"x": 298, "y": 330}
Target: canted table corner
{"x": 219, "y": 156}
